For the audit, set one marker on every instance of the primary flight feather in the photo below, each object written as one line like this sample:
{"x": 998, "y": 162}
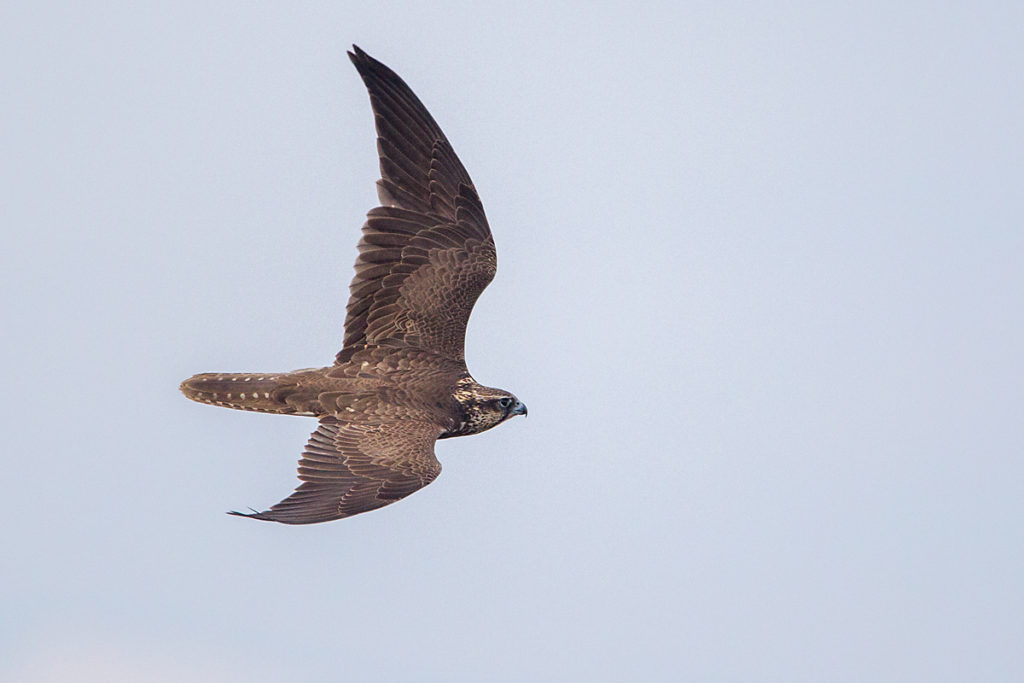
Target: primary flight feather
{"x": 400, "y": 381}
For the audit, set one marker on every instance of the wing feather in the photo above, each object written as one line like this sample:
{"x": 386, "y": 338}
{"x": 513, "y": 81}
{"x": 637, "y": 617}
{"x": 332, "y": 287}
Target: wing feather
{"x": 427, "y": 253}
{"x": 348, "y": 468}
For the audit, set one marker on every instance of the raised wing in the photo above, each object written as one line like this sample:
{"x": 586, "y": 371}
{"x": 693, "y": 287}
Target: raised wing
{"x": 348, "y": 468}
{"x": 427, "y": 253}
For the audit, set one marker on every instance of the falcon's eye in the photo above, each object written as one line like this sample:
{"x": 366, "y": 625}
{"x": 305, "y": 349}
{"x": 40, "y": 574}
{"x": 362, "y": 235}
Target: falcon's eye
{"x": 505, "y": 402}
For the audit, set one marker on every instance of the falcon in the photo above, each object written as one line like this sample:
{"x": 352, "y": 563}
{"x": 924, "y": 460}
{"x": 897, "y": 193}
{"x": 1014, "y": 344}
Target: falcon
{"x": 400, "y": 381}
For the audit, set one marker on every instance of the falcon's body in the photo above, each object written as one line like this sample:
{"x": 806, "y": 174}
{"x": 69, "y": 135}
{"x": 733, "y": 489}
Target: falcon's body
{"x": 400, "y": 381}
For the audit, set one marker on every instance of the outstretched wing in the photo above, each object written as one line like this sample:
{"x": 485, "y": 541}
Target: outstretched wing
{"x": 426, "y": 253}
{"x": 348, "y": 468}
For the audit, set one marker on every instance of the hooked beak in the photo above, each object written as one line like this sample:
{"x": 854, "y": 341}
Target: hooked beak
{"x": 519, "y": 409}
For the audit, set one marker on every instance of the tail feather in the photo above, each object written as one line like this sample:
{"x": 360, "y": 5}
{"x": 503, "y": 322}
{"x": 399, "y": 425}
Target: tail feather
{"x": 265, "y": 393}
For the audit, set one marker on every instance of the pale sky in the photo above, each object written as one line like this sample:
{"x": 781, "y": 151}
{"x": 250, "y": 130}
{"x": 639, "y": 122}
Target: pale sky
{"x": 760, "y": 285}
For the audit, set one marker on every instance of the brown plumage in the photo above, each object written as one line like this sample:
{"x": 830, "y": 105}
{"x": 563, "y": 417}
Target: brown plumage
{"x": 400, "y": 380}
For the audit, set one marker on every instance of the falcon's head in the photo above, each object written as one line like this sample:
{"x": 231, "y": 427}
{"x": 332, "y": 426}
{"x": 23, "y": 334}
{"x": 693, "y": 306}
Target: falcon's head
{"x": 483, "y": 407}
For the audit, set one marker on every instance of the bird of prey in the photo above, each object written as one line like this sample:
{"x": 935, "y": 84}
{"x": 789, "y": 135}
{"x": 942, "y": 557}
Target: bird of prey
{"x": 400, "y": 381}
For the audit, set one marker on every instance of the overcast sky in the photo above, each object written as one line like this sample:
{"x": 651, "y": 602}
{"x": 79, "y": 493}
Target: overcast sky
{"x": 760, "y": 285}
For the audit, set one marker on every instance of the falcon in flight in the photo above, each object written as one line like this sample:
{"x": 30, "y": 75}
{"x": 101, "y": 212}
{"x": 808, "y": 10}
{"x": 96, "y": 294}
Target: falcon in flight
{"x": 400, "y": 380}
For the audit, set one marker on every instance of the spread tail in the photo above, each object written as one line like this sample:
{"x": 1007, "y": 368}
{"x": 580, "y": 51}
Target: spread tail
{"x": 264, "y": 393}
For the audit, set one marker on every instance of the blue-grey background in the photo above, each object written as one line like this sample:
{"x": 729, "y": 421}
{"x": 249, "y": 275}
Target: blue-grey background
{"x": 760, "y": 284}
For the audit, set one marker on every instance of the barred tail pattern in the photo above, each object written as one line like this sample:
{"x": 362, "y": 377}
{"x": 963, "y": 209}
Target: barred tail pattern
{"x": 264, "y": 393}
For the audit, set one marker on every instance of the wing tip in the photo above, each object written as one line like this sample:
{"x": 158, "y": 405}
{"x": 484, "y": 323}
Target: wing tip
{"x": 255, "y": 514}
{"x": 361, "y": 59}
{"x": 373, "y": 71}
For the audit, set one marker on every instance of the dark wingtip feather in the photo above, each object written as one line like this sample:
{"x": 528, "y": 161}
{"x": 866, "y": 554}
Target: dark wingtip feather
{"x": 363, "y": 62}
{"x": 255, "y": 514}
{"x": 372, "y": 70}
